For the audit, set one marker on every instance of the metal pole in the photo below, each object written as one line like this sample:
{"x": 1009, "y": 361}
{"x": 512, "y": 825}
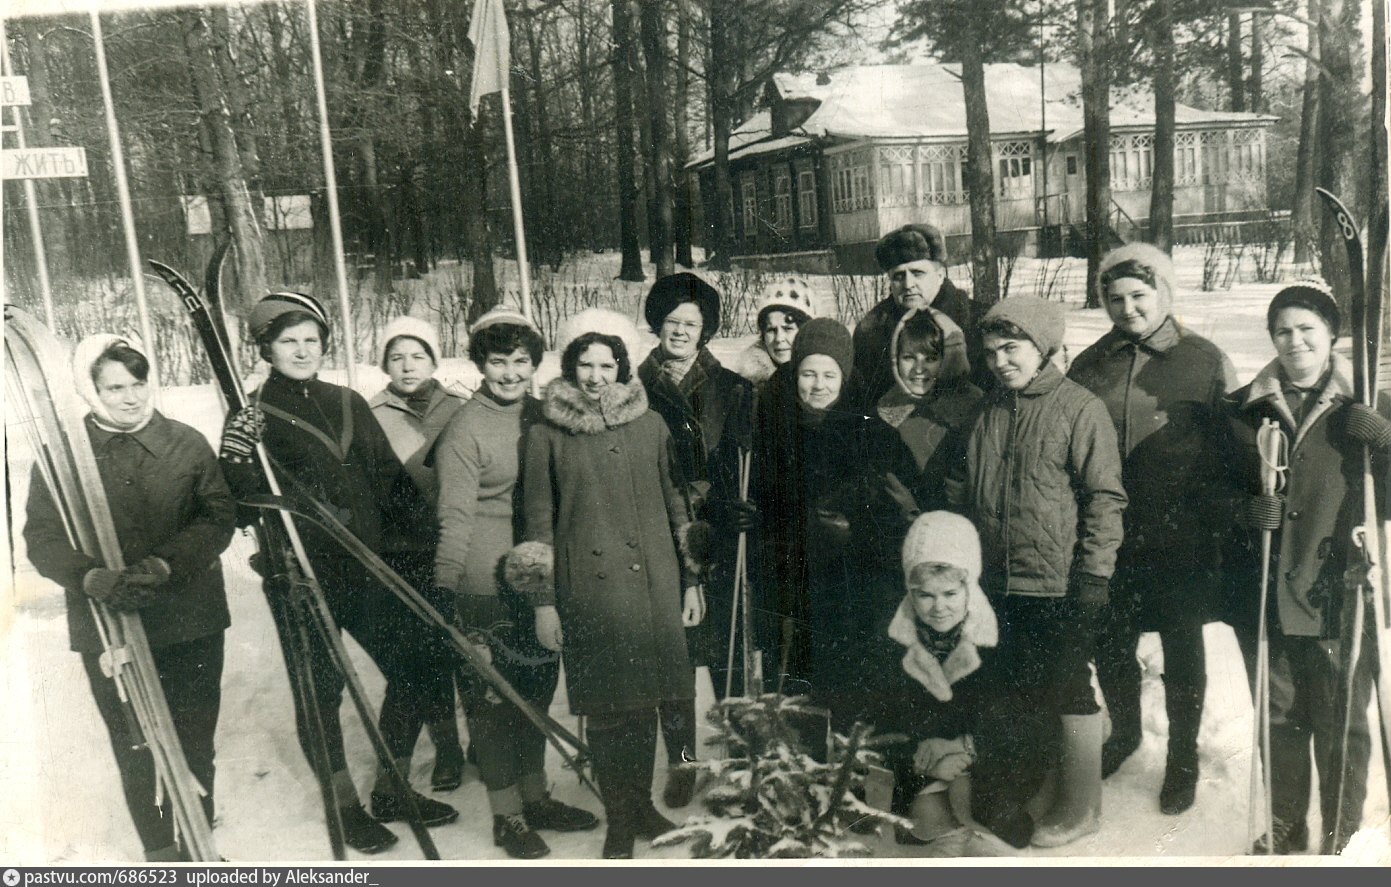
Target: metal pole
{"x": 30, "y": 200}
{"x": 335, "y": 224}
{"x": 518, "y": 230}
{"x": 118, "y": 163}
{"x": 1043, "y": 112}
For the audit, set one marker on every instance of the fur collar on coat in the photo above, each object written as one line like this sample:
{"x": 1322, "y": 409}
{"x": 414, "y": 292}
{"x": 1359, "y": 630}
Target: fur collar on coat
{"x": 755, "y": 364}
{"x": 567, "y": 407}
{"x": 981, "y": 630}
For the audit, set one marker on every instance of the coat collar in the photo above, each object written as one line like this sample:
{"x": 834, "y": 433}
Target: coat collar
{"x": 388, "y": 398}
{"x": 567, "y": 407}
{"x": 1047, "y": 381}
{"x": 1157, "y": 342}
{"x": 1267, "y": 388}
{"x": 703, "y": 366}
{"x": 919, "y": 663}
{"x": 154, "y": 435}
{"x": 755, "y": 363}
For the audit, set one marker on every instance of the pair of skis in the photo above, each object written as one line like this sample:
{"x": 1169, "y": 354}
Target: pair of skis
{"x": 42, "y": 396}
{"x": 1369, "y": 599}
{"x": 297, "y": 601}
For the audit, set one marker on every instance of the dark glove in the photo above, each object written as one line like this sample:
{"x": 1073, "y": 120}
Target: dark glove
{"x": 1366, "y": 426}
{"x": 128, "y": 589}
{"x": 242, "y": 433}
{"x": 737, "y": 515}
{"x": 831, "y": 529}
{"x": 1089, "y": 590}
{"x": 1261, "y": 512}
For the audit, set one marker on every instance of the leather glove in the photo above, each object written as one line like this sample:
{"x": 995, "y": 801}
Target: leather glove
{"x": 1261, "y": 512}
{"x": 737, "y": 515}
{"x": 1089, "y": 591}
{"x": 1366, "y": 426}
{"x": 242, "y": 433}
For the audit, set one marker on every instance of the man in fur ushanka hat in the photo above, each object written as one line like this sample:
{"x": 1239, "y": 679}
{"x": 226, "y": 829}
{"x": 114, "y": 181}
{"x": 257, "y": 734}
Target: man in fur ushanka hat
{"x": 914, "y": 258}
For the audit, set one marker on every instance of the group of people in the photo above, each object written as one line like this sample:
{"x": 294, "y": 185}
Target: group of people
{"x": 945, "y": 531}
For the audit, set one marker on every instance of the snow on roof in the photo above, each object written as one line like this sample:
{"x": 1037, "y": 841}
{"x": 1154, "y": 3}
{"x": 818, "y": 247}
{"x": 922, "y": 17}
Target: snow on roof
{"x": 926, "y": 101}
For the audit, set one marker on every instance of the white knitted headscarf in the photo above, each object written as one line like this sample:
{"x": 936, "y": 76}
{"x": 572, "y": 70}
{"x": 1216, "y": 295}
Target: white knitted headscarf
{"x": 84, "y": 360}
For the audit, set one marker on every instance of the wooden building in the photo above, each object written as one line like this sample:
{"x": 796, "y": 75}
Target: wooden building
{"x": 836, "y": 160}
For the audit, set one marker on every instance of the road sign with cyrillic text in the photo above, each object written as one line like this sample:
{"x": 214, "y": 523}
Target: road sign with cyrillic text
{"x": 14, "y": 90}
{"x": 43, "y": 163}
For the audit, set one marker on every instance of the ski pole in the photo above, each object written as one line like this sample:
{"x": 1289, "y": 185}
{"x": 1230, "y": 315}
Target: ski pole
{"x": 1273, "y": 449}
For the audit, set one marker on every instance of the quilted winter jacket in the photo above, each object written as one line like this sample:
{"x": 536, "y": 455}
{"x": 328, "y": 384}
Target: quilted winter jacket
{"x": 1042, "y": 482}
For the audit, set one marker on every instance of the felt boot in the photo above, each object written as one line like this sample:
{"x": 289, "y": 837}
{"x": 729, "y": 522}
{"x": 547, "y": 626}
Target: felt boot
{"x": 1076, "y": 810}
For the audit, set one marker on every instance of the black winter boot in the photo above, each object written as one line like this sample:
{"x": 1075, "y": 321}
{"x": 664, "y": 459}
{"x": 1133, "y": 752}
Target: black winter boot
{"x": 512, "y": 833}
{"x": 363, "y": 833}
{"x": 606, "y": 750}
{"x": 390, "y": 808}
{"x": 1183, "y": 702}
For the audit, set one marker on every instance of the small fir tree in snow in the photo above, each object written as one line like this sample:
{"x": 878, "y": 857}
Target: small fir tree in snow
{"x": 772, "y": 800}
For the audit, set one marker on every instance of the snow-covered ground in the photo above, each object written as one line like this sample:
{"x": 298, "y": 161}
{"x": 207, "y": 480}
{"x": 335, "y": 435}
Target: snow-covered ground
{"x": 61, "y": 801}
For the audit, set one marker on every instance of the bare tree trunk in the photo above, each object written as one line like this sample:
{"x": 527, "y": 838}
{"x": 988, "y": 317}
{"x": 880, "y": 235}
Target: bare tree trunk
{"x": 1376, "y": 245}
{"x": 1235, "y": 66}
{"x": 721, "y": 66}
{"x": 1096, "y": 116}
{"x": 1302, "y": 226}
{"x": 593, "y": 215}
{"x": 51, "y": 192}
{"x": 1338, "y": 100}
{"x": 1254, "y": 87}
{"x": 623, "y": 76}
{"x": 654, "y": 45}
{"x": 238, "y": 101}
{"x": 1161, "y": 218}
{"x": 548, "y": 245}
{"x": 980, "y": 176}
{"x": 681, "y": 222}
{"x": 478, "y": 238}
{"x": 243, "y": 218}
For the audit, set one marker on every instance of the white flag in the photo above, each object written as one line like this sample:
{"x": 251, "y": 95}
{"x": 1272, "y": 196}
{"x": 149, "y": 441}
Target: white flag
{"x": 491, "y": 57}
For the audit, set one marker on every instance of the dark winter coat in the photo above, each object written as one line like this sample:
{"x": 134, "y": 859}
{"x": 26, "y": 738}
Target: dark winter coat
{"x": 837, "y": 588}
{"x": 168, "y": 499}
{"x": 934, "y": 427}
{"x": 710, "y": 416}
{"x": 602, "y": 490}
{"x": 874, "y": 336}
{"x": 1042, "y": 482}
{"x": 1164, "y": 395}
{"x": 412, "y": 434}
{"x": 1323, "y": 503}
{"x": 326, "y": 438}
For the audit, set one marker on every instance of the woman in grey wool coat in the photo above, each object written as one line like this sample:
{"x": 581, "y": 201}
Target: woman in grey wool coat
{"x": 604, "y": 513}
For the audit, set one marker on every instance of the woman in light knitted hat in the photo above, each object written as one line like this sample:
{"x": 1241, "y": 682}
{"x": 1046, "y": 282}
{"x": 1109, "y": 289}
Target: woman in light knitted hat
{"x": 605, "y": 515}
{"x": 932, "y": 399}
{"x": 413, "y": 409}
{"x": 784, "y": 307}
{"x": 1041, "y": 478}
{"x": 173, "y": 517}
{"x": 327, "y": 439}
{"x": 1308, "y": 391}
{"x": 478, "y": 459}
{"x": 838, "y": 482}
{"x": 1163, "y": 387}
{"x": 937, "y": 683}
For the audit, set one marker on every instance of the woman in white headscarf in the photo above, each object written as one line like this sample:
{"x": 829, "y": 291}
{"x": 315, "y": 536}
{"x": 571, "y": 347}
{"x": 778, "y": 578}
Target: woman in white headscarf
{"x": 173, "y": 517}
